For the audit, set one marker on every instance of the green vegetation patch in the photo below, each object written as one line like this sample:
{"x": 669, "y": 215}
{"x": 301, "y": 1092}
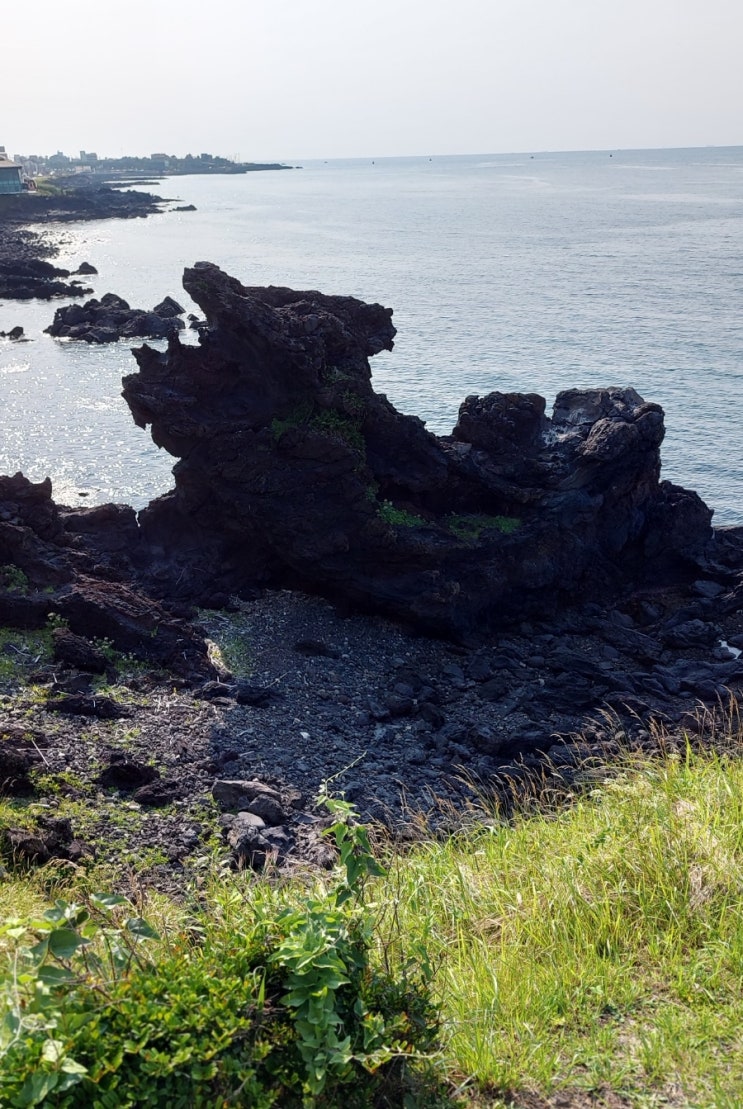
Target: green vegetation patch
{"x": 345, "y": 426}
{"x": 274, "y": 1000}
{"x": 298, "y": 417}
{"x": 22, "y": 651}
{"x": 337, "y": 425}
{"x": 13, "y": 578}
{"x": 473, "y": 525}
{"x": 399, "y": 517}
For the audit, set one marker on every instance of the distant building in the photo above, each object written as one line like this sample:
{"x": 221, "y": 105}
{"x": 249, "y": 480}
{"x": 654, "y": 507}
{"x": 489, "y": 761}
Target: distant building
{"x": 11, "y": 174}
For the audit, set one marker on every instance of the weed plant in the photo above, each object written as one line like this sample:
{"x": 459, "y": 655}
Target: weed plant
{"x": 271, "y": 1000}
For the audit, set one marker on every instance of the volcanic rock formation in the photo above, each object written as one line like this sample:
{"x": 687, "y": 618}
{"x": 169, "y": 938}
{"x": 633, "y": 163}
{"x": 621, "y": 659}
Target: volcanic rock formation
{"x": 110, "y": 318}
{"x": 292, "y": 471}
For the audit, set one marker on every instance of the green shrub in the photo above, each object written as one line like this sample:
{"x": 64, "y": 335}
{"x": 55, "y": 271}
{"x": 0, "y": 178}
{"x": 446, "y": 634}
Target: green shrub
{"x": 14, "y": 579}
{"x": 339, "y": 426}
{"x": 286, "y": 1009}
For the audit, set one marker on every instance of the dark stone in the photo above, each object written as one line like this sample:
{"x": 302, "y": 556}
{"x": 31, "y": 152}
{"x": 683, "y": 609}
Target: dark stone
{"x": 168, "y": 308}
{"x": 249, "y": 847}
{"x": 127, "y": 774}
{"x": 86, "y": 268}
{"x": 133, "y": 623}
{"x": 691, "y": 633}
{"x": 18, "y": 757}
{"x": 239, "y": 794}
{"x": 103, "y": 708}
{"x": 53, "y": 838}
{"x": 433, "y": 715}
{"x": 315, "y": 648}
{"x": 211, "y": 690}
{"x": 157, "y": 793}
{"x": 246, "y": 693}
{"x": 485, "y": 740}
{"x": 75, "y": 650}
{"x": 268, "y": 809}
{"x": 496, "y": 687}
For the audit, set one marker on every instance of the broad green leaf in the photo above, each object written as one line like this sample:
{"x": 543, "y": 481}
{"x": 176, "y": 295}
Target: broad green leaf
{"x": 52, "y": 1051}
{"x": 54, "y": 976}
{"x": 40, "y": 950}
{"x": 14, "y": 931}
{"x": 36, "y": 1087}
{"x": 107, "y": 900}
{"x": 140, "y": 927}
{"x": 64, "y": 942}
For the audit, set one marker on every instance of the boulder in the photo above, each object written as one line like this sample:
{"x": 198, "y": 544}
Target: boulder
{"x": 168, "y": 308}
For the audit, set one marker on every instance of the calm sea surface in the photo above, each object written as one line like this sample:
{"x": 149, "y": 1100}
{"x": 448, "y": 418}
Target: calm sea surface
{"x": 506, "y": 272}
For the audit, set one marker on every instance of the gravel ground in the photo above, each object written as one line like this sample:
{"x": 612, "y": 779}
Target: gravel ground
{"x": 403, "y": 725}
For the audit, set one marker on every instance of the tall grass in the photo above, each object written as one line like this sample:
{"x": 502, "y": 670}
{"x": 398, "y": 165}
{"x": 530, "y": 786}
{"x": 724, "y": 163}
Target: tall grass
{"x": 597, "y": 947}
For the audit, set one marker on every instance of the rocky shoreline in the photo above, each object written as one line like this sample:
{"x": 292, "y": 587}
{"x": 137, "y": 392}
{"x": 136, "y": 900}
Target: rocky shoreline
{"x": 25, "y": 269}
{"x": 331, "y": 592}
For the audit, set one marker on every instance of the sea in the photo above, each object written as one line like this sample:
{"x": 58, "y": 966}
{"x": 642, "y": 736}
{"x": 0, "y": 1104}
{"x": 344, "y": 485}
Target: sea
{"x": 512, "y": 272}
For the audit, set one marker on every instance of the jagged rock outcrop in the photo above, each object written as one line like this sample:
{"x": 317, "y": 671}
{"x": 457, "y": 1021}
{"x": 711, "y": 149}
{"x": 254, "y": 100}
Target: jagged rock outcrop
{"x": 71, "y": 565}
{"x": 110, "y": 319}
{"x": 293, "y": 471}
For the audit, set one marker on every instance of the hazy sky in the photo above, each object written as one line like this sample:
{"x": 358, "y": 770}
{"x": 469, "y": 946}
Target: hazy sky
{"x": 293, "y": 79}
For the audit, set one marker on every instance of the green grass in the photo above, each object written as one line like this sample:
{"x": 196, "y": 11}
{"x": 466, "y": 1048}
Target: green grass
{"x": 598, "y": 947}
{"x": 22, "y": 651}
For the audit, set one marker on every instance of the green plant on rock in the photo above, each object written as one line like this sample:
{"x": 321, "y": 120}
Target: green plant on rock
{"x": 472, "y": 525}
{"x": 298, "y": 417}
{"x": 399, "y": 517}
{"x": 339, "y": 426}
{"x": 13, "y": 579}
{"x": 55, "y": 621}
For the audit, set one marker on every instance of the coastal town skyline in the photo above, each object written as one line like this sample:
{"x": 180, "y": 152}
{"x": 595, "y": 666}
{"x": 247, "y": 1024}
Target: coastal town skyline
{"x": 293, "y": 81}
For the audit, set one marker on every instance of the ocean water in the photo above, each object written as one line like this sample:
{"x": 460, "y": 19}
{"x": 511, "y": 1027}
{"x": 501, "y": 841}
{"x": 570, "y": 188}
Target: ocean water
{"x": 528, "y": 273}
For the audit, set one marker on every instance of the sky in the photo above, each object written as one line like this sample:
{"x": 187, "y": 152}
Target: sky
{"x": 283, "y": 80}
